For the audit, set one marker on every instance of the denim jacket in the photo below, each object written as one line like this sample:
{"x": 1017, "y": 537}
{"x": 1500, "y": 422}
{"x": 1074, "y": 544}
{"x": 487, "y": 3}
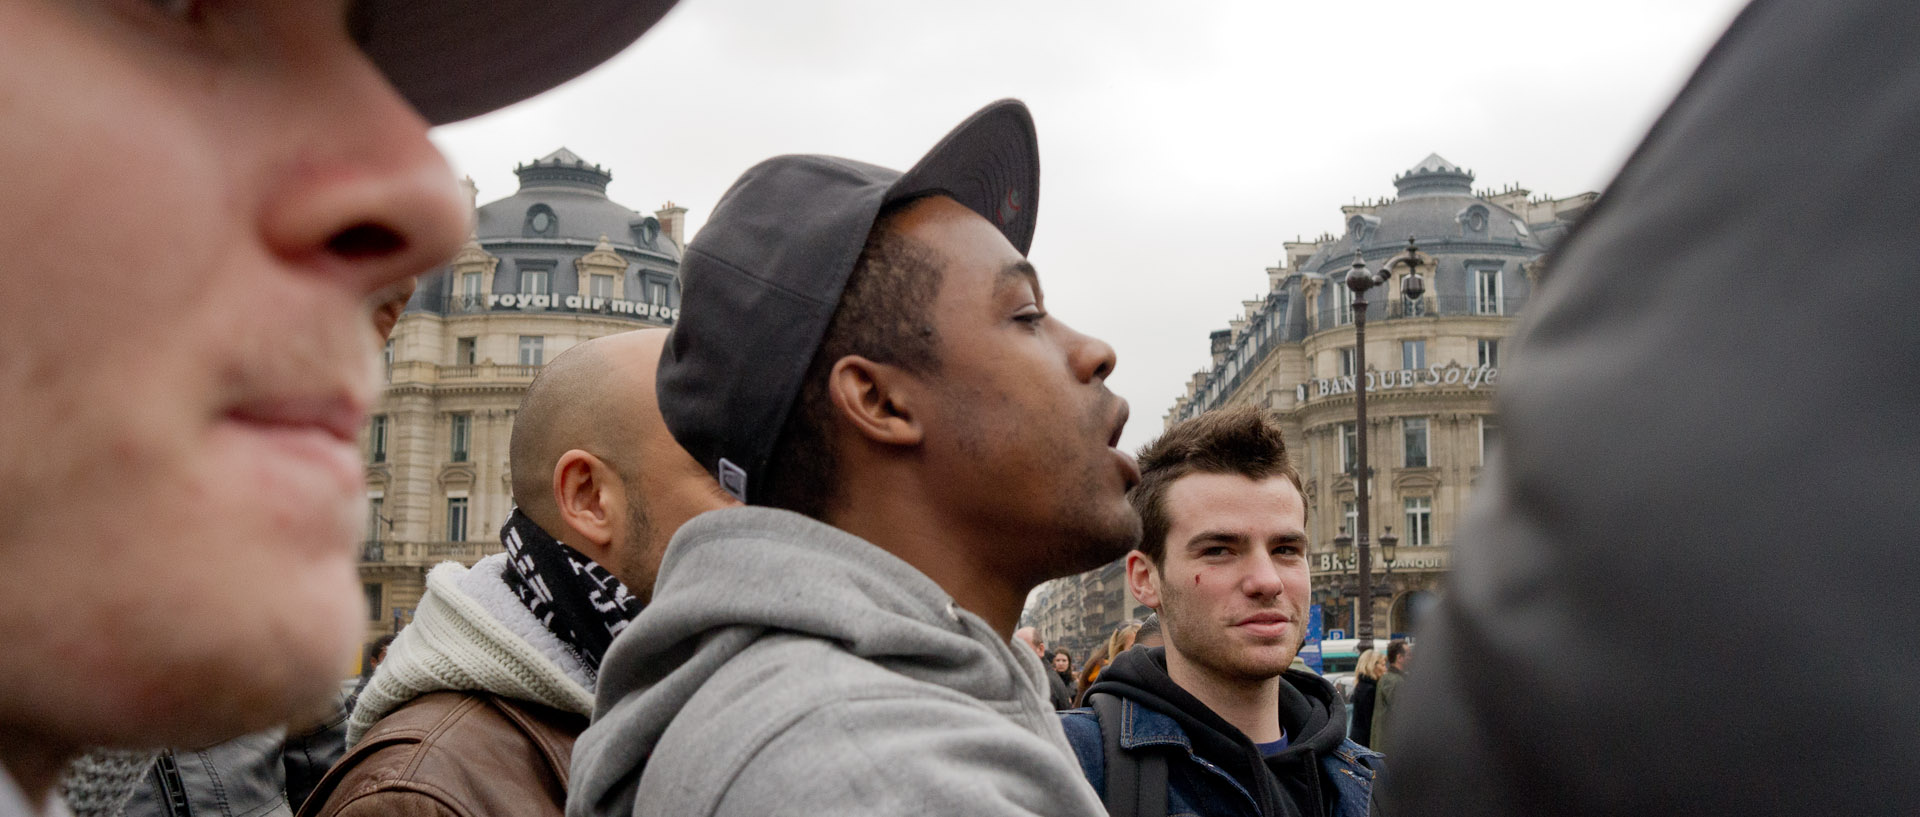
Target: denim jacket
{"x": 1197, "y": 787}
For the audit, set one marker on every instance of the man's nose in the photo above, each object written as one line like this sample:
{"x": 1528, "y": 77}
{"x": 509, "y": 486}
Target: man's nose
{"x": 358, "y": 192}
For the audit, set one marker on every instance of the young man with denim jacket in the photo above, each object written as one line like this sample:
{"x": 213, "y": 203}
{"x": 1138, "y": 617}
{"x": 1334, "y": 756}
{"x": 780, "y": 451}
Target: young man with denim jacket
{"x": 1216, "y": 714}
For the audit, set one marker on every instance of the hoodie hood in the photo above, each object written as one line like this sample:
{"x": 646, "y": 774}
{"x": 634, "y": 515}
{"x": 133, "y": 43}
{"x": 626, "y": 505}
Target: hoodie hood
{"x": 1314, "y": 721}
{"x": 736, "y": 577}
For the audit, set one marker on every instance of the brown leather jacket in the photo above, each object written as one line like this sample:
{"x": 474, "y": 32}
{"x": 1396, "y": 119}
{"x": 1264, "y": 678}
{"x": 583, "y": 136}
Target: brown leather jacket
{"x": 455, "y": 753}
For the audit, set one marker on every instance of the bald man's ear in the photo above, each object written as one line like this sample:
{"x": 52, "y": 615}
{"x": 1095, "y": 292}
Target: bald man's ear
{"x": 591, "y": 501}
{"x": 877, "y": 400}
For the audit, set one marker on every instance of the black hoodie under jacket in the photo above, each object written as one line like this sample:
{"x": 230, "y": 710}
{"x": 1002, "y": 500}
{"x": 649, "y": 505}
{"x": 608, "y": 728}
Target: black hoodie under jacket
{"x": 1286, "y": 784}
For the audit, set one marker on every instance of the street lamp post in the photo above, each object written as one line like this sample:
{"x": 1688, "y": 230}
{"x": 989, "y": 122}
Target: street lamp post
{"x": 1360, "y": 279}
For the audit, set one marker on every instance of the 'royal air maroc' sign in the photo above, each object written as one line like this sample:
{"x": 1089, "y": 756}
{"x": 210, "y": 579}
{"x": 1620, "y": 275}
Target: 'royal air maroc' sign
{"x": 582, "y": 303}
{"x": 1472, "y": 377}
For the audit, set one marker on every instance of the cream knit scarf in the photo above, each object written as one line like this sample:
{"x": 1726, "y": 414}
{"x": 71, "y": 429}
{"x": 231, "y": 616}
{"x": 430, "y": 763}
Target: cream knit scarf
{"x": 470, "y": 633}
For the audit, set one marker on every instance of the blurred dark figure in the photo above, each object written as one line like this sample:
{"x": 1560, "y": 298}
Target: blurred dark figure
{"x": 1708, "y": 440}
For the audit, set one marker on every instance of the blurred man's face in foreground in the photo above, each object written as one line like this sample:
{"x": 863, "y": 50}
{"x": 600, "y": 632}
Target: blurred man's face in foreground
{"x": 208, "y": 200}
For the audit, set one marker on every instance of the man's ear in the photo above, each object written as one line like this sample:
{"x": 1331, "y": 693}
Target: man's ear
{"x": 588, "y": 495}
{"x": 1143, "y": 579}
{"x": 877, "y": 400}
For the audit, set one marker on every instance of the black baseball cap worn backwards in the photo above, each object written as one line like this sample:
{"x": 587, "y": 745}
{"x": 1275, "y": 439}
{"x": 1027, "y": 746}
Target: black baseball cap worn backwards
{"x": 761, "y": 281}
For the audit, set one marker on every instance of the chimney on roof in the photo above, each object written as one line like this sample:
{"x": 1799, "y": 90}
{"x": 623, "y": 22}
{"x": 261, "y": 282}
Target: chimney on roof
{"x": 673, "y": 222}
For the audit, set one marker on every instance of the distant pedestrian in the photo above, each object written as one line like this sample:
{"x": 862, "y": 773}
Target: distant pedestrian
{"x": 1062, "y": 663}
{"x": 1119, "y": 641}
{"x": 1366, "y": 675}
{"x": 1058, "y": 693}
{"x": 1387, "y": 694}
{"x": 1150, "y": 634}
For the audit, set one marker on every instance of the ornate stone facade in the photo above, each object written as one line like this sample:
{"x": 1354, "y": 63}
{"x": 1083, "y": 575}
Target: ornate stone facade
{"x": 1432, "y": 367}
{"x": 554, "y": 264}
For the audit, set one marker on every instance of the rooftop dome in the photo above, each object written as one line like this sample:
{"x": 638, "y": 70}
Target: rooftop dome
{"x": 563, "y": 168}
{"x": 563, "y": 198}
{"x": 1434, "y": 176}
{"x": 1437, "y": 206}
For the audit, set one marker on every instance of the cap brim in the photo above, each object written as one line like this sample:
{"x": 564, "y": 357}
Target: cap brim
{"x": 454, "y": 60}
{"x": 991, "y": 164}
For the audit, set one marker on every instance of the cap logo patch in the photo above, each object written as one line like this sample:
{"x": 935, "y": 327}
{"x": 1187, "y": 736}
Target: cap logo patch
{"x": 1009, "y": 207}
{"x": 733, "y": 479}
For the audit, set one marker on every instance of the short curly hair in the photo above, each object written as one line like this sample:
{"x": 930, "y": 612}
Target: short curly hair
{"x": 1241, "y": 440}
{"x": 885, "y": 314}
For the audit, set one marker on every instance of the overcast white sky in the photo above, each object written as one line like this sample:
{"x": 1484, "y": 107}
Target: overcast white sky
{"x": 1181, "y": 143}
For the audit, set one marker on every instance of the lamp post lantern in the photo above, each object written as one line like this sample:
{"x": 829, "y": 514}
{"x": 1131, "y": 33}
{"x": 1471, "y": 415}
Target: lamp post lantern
{"x": 1360, "y": 279}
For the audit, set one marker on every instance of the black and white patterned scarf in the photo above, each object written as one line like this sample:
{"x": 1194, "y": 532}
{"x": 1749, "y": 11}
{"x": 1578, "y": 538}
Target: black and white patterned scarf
{"x": 581, "y": 603}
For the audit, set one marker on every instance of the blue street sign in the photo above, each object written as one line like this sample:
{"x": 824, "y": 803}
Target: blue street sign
{"x": 1336, "y": 635}
{"x": 1310, "y": 651}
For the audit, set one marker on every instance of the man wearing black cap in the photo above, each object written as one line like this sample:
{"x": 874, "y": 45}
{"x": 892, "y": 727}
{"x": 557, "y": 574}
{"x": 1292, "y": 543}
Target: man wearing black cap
{"x": 867, "y": 356}
{"x": 209, "y": 201}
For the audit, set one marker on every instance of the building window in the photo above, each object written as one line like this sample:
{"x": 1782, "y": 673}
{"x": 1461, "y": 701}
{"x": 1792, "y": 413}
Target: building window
{"x": 1490, "y": 352}
{"x": 1342, "y": 303}
{"x": 456, "y": 519}
{"x": 1413, "y": 354}
{"x": 373, "y": 600}
{"x": 471, "y": 294}
{"x": 541, "y": 222}
{"x": 377, "y": 439}
{"x": 602, "y": 286}
{"x": 533, "y": 282}
{"x": 533, "y": 350}
{"x": 386, "y": 355}
{"x": 1348, "y": 453}
{"x": 1419, "y": 521}
{"x": 1343, "y": 361}
{"x": 462, "y": 432}
{"x": 375, "y": 518}
{"x": 1351, "y": 515}
{"x": 656, "y": 293}
{"x": 1414, "y": 430}
{"x": 464, "y": 351}
{"x": 1486, "y": 292}
{"x": 1489, "y": 435}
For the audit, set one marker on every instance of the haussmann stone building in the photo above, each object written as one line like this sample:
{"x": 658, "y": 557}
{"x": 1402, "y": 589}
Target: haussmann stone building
{"x": 1433, "y": 365}
{"x": 552, "y": 265}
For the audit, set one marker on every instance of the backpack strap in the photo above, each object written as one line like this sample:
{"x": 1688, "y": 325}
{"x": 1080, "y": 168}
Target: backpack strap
{"x": 1136, "y": 782}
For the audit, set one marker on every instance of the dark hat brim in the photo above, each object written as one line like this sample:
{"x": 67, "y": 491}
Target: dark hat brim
{"x": 991, "y": 164}
{"x": 454, "y": 60}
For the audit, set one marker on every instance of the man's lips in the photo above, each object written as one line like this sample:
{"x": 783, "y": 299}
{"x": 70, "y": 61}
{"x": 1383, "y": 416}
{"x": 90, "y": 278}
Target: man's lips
{"x": 1129, "y": 467}
{"x": 302, "y": 437}
{"x": 337, "y": 415}
{"x": 1267, "y": 624}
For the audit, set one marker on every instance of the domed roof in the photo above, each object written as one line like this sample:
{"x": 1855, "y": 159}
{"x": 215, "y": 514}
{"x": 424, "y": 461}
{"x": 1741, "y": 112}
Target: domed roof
{"x": 562, "y": 197}
{"x": 1437, "y": 206}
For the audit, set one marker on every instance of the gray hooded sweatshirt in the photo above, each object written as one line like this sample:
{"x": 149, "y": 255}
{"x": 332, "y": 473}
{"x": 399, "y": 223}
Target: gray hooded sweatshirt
{"x": 788, "y": 667}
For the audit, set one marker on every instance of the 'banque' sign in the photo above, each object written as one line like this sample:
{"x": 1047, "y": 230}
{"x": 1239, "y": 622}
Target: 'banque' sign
{"x": 1473, "y": 377}
{"x": 585, "y": 303}
{"x": 1418, "y": 559}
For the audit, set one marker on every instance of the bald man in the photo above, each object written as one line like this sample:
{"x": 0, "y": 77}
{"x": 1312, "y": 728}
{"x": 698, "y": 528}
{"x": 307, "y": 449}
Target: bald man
{"x": 477, "y": 706}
